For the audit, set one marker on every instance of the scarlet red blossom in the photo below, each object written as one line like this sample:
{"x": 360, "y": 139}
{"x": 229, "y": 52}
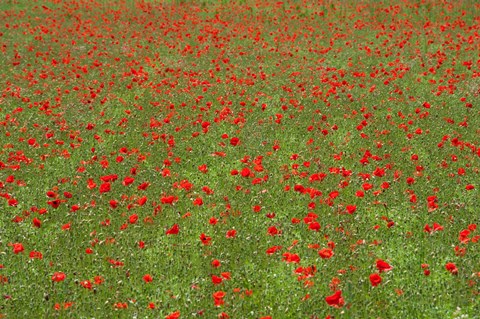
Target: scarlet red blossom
{"x": 54, "y": 203}
{"x": 291, "y": 258}
{"x": 335, "y": 300}
{"x": 86, "y": 284}
{"x": 206, "y": 240}
{"x": 383, "y": 266}
{"x": 58, "y": 276}
{"x": 216, "y": 280}
{"x": 104, "y": 188}
{"x": 121, "y": 305}
{"x": 375, "y": 279}
{"x": 128, "y": 180}
{"x": 198, "y": 201}
{"x": 272, "y": 231}
{"x": 17, "y": 248}
{"x": 173, "y": 315}
{"x": 325, "y": 253}
{"x": 315, "y": 226}
{"x": 273, "y": 249}
{"x": 234, "y": 141}
{"x": 35, "y": 255}
{"x": 37, "y": 223}
{"x": 147, "y": 278}
{"x": 231, "y": 233}
{"x": 173, "y": 230}
{"x": 169, "y": 199}
{"x": 351, "y": 209}
{"x": 218, "y": 298}
{"x": 452, "y": 268}
{"x": 133, "y": 219}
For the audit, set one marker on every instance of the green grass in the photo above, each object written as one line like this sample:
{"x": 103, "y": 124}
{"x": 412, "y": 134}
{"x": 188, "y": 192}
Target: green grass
{"x": 333, "y": 88}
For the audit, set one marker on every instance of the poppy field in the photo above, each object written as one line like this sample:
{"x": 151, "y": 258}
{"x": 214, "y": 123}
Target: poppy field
{"x": 247, "y": 159}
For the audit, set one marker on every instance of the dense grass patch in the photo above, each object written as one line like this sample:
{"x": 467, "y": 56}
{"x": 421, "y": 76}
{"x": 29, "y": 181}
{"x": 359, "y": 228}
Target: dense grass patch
{"x": 248, "y": 159}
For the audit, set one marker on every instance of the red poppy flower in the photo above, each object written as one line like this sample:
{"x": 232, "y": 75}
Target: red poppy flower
{"x": 147, "y": 278}
{"x": 35, "y": 255}
{"x": 452, "y": 268}
{"x": 273, "y": 249}
{"x": 169, "y": 199}
{"x": 218, "y": 298}
{"x": 219, "y": 294}
{"x": 367, "y": 186}
{"x": 141, "y": 201}
{"x": 133, "y": 218}
{"x": 226, "y": 275}
{"x": 375, "y": 279}
{"x": 17, "y": 248}
{"x": 128, "y": 180}
{"x": 198, "y": 201}
{"x": 121, "y": 305}
{"x": 216, "y": 280}
{"x": 325, "y": 253}
{"x": 51, "y": 194}
{"x": 231, "y": 233}
{"x": 86, "y": 284}
{"x": 54, "y": 203}
{"x": 335, "y": 300}
{"x": 291, "y": 258}
{"x": 173, "y": 230}
{"x": 207, "y": 190}
{"x": 173, "y": 315}
{"x": 91, "y": 184}
{"x": 104, "y": 188}
{"x": 333, "y": 194}
{"x": 245, "y": 172}
{"x": 383, "y": 266}
{"x": 203, "y": 168}
{"x": 113, "y": 203}
{"x": 315, "y": 226}
{"x": 12, "y": 202}
{"x": 58, "y": 276}
{"x": 206, "y": 240}
{"x": 351, "y": 209}
{"x": 272, "y": 231}
{"x": 234, "y": 141}
{"x": 143, "y": 186}
{"x": 37, "y": 223}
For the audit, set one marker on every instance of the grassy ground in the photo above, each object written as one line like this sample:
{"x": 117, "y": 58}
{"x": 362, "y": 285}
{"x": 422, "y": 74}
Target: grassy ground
{"x": 243, "y": 160}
